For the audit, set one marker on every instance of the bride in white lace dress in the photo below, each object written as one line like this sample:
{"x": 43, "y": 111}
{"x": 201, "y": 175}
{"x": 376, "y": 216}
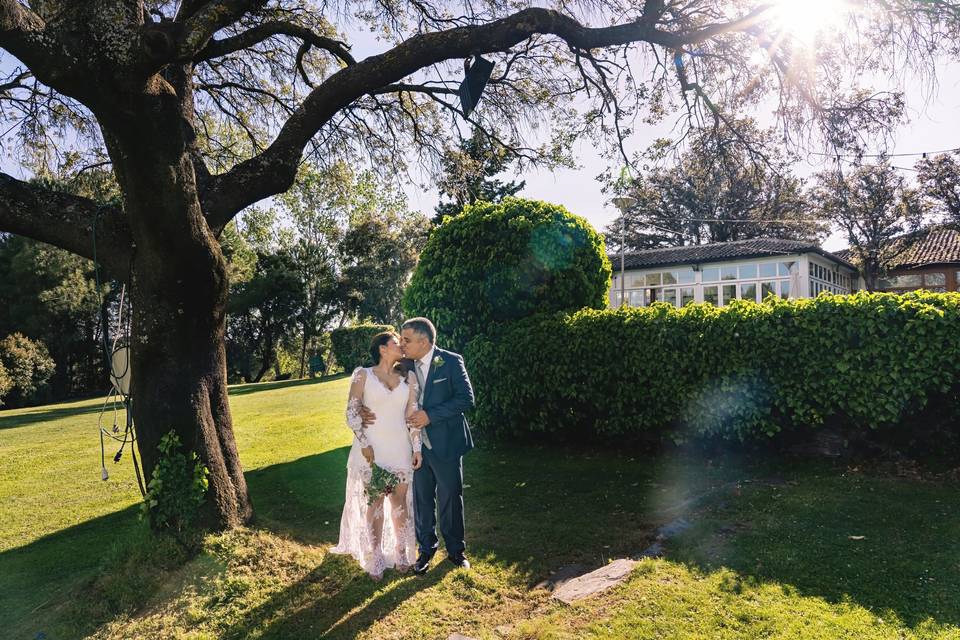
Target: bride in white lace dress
{"x": 381, "y": 535}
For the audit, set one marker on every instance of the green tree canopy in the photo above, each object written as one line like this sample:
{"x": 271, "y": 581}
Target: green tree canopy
{"x": 469, "y": 173}
{"x": 876, "y": 209}
{"x": 722, "y": 187}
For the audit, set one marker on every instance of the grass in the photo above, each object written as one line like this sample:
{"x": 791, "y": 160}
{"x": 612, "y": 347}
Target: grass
{"x": 769, "y": 554}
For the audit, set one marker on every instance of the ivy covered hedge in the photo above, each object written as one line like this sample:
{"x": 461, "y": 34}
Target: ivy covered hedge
{"x": 351, "y": 345}
{"x": 739, "y": 372}
{"x": 499, "y": 262}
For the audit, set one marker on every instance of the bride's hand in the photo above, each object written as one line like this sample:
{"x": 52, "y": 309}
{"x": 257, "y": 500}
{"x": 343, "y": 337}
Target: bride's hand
{"x": 368, "y": 454}
{"x": 417, "y": 459}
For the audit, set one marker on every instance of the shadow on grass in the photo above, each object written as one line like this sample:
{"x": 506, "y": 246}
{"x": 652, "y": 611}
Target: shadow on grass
{"x": 39, "y": 580}
{"x": 533, "y": 510}
{"x": 255, "y": 387}
{"x": 886, "y": 544}
{"x": 46, "y": 414}
{"x": 336, "y": 600}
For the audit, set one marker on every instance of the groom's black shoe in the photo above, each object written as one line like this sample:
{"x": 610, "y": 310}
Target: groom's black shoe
{"x": 459, "y": 560}
{"x": 423, "y": 563}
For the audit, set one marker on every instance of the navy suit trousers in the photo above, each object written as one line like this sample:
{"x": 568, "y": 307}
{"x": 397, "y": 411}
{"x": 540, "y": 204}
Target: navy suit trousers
{"x": 438, "y": 486}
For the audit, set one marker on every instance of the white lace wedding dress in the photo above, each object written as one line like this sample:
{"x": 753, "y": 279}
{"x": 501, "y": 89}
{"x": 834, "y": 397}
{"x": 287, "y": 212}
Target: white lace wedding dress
{"x": 393, "y": 446}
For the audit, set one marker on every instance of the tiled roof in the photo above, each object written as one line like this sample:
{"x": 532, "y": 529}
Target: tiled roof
{"x": 934, "y": 245}
{"x": 720, "y": 252}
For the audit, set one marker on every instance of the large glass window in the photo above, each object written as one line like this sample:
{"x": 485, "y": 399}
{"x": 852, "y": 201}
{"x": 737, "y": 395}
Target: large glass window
{"x": 711, "y": 295}
{"x": 767, "y": 288}
{"x": 670, "y": 295}
{"x": 712, "y": 274}
{"x": 784, "y": 288}
{"x": 670, "y": 277}
{"x": 685, "y": 276}
{"x": 636, "y": 298}
{"x": 749, "y": 291}
{"x": 748, "y": 271}
{"x": 729, "y": 293}
{"x": 728, "y": 273}
{"x": 786, "y": 268}
{"x": 653, "y": 280}
{"x": 686, "y": 295}
{"x": 768, "y": 269}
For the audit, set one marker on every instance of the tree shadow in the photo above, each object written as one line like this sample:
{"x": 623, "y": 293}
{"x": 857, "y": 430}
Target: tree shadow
{"x": 45, "y": 414}
{"x": 527, "y": 513}
{"x": 336, "y": 600}
{"x": 255, "y": 387}
{"x": 886, "y": 544}
{"x": 39, "y": 578}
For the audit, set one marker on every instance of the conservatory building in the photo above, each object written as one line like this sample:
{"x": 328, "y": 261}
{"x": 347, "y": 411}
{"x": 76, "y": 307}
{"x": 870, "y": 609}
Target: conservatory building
{"x": 724, "y": 271}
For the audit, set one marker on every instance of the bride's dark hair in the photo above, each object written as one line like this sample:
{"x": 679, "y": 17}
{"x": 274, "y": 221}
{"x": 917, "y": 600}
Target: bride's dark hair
{"x": 378, "y": 341}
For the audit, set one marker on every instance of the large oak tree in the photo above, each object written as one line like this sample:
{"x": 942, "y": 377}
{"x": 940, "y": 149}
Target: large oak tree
{"x": 204, "y": 107}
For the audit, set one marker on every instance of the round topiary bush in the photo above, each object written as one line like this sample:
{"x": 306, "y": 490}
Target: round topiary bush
{"x": 500, "y": 262}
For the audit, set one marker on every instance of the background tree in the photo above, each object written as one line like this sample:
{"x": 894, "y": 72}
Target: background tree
{"x": 721, "y": 188}
{"x": 876, "y": 209}
{"x": 50, "y": 295}
{"x": 160, "y": 89}
{"x": 939, "y": 178}
{"x": 263, "y": 312}
{"x": 314, "y": 207}
{"x": 355, "y": 242}
{"x": 469, "y": 174}
{"x": 27, "y": 365}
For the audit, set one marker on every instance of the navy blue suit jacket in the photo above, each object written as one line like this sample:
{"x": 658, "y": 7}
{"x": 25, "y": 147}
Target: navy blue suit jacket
{"x": 447, "y": 396}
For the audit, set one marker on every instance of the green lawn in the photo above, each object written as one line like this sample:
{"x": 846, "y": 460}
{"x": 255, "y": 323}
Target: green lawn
{"x": 769, "y": 554}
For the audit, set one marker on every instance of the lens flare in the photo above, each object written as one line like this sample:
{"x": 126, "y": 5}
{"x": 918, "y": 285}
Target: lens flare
{"x": 807, "y": 20}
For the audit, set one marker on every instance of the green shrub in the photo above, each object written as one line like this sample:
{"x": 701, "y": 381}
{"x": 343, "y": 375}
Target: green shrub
{"x": 351, "y": 345}
{"x": 6, "y": 384}
{"x": 28, "y": 367}
{"x": 176, "y": 490}
{"x": 500, "y": 262}
{"x": 744, "y": 371}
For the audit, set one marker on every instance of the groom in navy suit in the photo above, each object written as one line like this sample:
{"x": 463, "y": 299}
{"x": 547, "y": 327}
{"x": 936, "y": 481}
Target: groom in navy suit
{"x": 445, "y": 394}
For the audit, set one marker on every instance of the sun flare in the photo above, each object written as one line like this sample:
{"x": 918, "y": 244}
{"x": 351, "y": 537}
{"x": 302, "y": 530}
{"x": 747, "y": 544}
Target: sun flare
{"x": 807, "y": 20}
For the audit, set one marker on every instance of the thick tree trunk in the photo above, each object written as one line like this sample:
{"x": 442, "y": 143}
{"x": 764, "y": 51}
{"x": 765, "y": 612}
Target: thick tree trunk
{"x": 178, "y": 288}
{"x": 180, "y": 381}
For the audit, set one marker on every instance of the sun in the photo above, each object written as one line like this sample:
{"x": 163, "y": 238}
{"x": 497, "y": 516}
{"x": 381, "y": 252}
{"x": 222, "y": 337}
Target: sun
{"x": 804, "y": 21}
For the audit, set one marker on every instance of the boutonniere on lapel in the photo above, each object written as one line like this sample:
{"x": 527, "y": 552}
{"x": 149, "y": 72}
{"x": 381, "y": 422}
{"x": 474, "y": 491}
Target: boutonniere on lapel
{"x": 437, "y": 362}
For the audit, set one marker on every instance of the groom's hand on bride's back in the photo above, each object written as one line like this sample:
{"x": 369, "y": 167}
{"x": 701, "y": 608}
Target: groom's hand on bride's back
{"x": 366, "y": 416}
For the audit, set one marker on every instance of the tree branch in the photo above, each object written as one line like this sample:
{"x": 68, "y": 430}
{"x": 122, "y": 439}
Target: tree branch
{"x": 182, "y": 39}
{"x": 274, "y": 170}
{"x": 66, "y": 221}
{"x": 219, "y": 48}
{"x": 22, "y": 33}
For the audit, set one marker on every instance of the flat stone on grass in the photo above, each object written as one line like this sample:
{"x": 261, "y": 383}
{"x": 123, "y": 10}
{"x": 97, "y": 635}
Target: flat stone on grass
{"x": 596, "y": 581}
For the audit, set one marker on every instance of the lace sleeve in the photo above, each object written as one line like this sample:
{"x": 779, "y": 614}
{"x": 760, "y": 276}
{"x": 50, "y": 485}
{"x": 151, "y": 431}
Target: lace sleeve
{"x": 413, "y": 405}
{"x": 354, "y": 403}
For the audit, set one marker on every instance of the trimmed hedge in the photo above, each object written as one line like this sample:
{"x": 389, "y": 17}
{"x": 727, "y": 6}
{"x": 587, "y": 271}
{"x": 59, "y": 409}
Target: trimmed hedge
{"x": 351, "y": 345}
{"x": 739, "y": 372}
{"x": 501, "y": 262}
